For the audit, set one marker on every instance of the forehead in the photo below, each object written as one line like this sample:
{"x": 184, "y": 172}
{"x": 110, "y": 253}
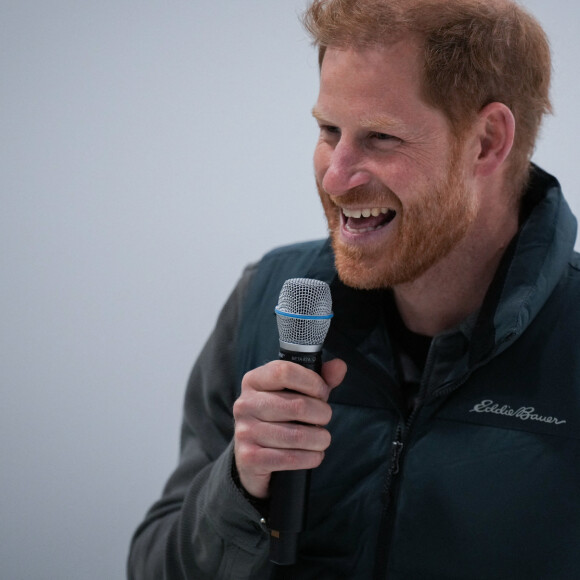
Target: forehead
{"x": 401, "y": 58}
{"x": 376, "y": 81}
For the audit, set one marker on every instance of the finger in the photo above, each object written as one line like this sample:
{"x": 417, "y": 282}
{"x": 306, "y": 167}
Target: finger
{"x": 281, "y": 406}
{"x": 333, "y": 372}
{"x": 292, "y": 459}
{"x": 256, "y": 464}
{"x": 283, "y": 436}
{"x": 280, "y": 375}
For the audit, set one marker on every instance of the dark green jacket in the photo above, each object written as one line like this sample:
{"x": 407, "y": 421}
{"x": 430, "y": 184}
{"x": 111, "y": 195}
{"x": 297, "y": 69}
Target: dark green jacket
{"x": 480, "y": 481}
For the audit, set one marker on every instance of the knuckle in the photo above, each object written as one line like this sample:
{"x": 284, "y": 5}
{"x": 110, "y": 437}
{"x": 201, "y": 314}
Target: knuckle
{"x": 265, "y": 405}
{"x": 240, "y": 408}
{"x": 244, "y": 455}
{"x": 295, "y": 436}
{"x": 250, "y": 458}
{"x": 254, "y": 378}
{"x": 298, "y": 407}
{"x": 293, "y": 460}
{"x": 279, "y": 371}
{"x": 246, "y": 380}
{"x": 248, "y": 404}
{"x": 243, "y": 432}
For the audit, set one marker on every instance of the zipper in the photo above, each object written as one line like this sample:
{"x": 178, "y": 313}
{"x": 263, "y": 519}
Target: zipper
{"x": 398, "y": 447}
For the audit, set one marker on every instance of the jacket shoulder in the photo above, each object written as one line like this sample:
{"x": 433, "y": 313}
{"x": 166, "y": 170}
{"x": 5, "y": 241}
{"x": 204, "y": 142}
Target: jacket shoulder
{"x": 304, "y": 251}
{"x": 574, "y": 265}
{"x": 313, "y": 259}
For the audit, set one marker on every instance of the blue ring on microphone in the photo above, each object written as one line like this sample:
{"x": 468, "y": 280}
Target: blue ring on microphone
{"x": 303, "y": 316}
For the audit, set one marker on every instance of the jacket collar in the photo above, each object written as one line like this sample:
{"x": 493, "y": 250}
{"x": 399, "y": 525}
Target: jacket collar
{"x": 528, "y": 273}
{"x": 530, "y": 269}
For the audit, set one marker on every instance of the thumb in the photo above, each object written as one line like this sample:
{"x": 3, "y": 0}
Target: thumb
{"x": 333, "y": 372}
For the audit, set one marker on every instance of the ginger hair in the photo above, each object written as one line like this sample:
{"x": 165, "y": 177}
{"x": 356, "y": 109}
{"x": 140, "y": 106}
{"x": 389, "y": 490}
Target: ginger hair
{"x": 475, "y": 52}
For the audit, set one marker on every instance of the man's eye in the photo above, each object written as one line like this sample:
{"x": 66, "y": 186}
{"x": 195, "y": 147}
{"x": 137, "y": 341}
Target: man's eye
{"x": 383, "y": 137}
{"x": 329, "y": 129}
{"x": 383, "y": 141}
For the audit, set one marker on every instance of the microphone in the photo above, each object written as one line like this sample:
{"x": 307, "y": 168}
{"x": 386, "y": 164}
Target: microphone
{"x": 303, "y": 313}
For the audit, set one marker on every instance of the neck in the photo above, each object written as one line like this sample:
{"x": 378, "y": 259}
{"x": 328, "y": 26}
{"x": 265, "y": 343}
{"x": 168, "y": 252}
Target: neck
{"x": 455, "y": 287}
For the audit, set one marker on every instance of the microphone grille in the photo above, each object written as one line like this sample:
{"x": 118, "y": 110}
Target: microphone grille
{"x": 304, "y": 311}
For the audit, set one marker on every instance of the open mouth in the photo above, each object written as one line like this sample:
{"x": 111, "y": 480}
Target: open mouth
{"x": 361, "y": 221}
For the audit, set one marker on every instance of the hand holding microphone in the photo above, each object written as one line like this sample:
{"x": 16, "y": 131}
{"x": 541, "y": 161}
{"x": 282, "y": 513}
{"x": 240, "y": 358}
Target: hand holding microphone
{"x": 280, "y": 417}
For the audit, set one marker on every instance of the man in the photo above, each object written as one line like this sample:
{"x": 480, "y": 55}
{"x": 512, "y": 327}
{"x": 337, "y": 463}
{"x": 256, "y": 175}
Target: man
{"x": 450, "y": 389}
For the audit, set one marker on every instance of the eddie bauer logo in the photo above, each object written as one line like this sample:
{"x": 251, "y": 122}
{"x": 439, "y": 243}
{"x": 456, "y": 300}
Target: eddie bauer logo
{"x": 523, "y": 413}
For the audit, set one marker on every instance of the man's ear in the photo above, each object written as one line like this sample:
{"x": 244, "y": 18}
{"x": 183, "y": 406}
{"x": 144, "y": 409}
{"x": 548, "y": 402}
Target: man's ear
{"x": 496, "y": 127}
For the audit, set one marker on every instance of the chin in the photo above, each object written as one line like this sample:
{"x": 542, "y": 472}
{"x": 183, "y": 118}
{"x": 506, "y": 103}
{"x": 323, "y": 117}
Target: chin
{"x": 366, "y": 270}
{"x": 400, "y": 262}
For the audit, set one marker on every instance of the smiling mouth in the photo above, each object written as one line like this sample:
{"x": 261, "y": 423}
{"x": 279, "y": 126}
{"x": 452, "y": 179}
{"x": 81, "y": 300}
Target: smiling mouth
{"x": 361, "y": 221}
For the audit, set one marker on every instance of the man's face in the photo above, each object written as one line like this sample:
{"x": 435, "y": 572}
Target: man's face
{"x": 388, "y": 170}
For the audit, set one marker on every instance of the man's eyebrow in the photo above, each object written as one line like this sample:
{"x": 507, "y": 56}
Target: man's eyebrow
{"x": 373, "y": 122}
{"x": 317, "y": 114}
{"x": 382, "y": 122}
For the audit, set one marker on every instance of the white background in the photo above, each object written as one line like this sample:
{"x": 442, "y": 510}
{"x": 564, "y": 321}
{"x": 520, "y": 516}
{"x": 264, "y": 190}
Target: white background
{"x": 150, "y": 149}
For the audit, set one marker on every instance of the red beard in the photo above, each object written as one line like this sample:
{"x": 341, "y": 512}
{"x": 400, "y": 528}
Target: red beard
{"x": 423, "y": 233}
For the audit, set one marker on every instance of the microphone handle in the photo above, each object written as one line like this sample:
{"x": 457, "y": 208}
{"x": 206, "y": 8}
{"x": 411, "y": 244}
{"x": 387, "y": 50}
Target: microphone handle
{"x": 289, "y": 489}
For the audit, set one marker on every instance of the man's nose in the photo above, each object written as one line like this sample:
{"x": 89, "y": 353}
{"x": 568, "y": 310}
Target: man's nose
{"x": 345, "y": 170}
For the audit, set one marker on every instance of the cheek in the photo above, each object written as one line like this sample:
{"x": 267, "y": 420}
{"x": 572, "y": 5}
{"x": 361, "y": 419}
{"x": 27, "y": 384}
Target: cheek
{"x": 414, "y": 169}
{"x": 330, "y": 210}
{"x": 321, "y": 162}
{"x": 401, "y": 177}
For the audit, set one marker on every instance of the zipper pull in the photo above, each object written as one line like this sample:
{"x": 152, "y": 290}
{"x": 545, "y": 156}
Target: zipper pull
{"x": 397, "y": 449}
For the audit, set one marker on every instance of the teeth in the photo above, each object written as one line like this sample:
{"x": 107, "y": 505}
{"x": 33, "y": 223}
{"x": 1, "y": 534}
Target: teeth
{"x": 367, "y": 212}
{"x": 354, "y": 213}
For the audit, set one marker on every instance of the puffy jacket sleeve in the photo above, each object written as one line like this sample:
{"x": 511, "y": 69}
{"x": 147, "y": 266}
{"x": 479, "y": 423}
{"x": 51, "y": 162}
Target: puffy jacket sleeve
{"x": 203, "y": 527}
